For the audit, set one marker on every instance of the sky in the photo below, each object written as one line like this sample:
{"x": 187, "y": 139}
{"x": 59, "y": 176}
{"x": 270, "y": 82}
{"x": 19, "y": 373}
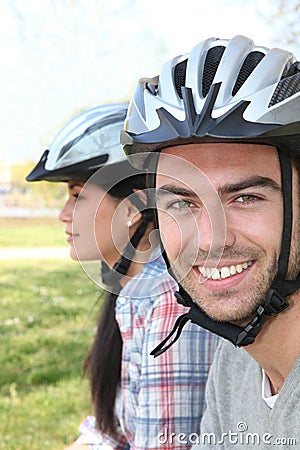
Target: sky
{"x": 60, "y": 57}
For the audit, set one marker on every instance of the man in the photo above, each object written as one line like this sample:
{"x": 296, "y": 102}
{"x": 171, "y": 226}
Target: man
{"x": 221, "y": 126}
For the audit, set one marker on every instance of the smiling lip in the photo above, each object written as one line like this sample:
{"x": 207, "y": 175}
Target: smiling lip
{"x": 223, "y": 277}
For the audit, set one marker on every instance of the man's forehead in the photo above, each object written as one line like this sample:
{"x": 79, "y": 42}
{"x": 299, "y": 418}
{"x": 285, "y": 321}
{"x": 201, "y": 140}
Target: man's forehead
{"x": 215, "y": 150}
{"x": 220, "y": 169}
{"x": 217, "y": 157}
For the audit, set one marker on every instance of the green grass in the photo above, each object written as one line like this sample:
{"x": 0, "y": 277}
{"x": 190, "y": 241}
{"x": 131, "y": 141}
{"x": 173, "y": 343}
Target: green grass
{"x": 32, "y": 232}
{"x": 48, "y": 311}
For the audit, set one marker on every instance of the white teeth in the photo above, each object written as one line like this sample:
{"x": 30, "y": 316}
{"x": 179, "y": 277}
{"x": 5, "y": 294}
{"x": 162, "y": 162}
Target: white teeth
{"x": 215, "y": 275}
{"x": 239, "y": 268}
{"x": 232, "y": 270}
{"x": 224, "y": 272}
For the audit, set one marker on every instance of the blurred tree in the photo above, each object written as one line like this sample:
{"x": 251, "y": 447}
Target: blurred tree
{"x": 284, "y": 21}
{"x": 41, "y": 192}
{"x": 66, "y": 56}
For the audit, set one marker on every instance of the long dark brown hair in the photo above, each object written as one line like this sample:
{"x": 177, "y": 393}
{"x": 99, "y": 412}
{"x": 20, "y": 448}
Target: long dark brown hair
{"x": 103, "y": 362}
{"x": 103, "y": 366}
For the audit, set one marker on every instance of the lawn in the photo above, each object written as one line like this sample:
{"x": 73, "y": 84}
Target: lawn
{"x": 33, "y": 232}
{"x": 48, "y": 315}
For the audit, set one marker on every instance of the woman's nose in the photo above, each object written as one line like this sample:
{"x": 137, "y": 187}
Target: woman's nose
{"x": 66, "y": 214}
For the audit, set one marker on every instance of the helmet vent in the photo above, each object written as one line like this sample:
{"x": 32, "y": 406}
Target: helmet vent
{"x": 179, "y": 76}
{"x": 139, "y": 99}
{"x": 211, "y": 64}
{"x": 285, "y": 89}
{"x": 251, "y": 61}
{"x": 90, "y": 130}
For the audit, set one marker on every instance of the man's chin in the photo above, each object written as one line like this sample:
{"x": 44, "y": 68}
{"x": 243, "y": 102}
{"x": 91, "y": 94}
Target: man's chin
{"x": 237, "y": 318}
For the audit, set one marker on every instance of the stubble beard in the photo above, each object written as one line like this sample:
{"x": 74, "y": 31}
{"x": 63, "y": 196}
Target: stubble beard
{"x": 230, "y": 305}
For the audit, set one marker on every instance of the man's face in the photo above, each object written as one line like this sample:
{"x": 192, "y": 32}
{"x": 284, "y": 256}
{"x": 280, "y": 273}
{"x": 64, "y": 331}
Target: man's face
{"x": 220, "y": 207}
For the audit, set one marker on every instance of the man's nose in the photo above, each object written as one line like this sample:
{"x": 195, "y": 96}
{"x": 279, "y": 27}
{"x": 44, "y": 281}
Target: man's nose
{"x": 214, "y": 230}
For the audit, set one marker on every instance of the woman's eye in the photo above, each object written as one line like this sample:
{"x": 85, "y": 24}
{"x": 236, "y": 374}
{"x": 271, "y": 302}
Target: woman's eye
{"x": 78, "y": 196}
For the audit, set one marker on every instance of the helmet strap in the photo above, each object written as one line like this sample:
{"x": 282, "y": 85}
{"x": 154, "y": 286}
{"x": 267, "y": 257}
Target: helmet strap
{"x": 112, "y": 277}
{"x": 280, "y": 284}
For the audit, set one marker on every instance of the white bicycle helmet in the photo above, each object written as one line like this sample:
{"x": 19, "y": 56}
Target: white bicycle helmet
{"x": 89, "y": 141}
{"x": 224, "y": 91}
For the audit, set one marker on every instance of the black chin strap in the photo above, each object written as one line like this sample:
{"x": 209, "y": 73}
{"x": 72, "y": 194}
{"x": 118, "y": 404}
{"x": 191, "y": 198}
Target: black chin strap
{"x": 112, "y": 277}
{"x": 275, "y": 301}
{"x": 108, "y": 279}
{"x": 238, "y": 336}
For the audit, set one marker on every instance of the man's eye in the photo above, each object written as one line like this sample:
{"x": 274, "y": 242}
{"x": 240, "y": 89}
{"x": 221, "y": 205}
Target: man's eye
{"x": 246, "y": 198}
{"x": 181, "y": 204}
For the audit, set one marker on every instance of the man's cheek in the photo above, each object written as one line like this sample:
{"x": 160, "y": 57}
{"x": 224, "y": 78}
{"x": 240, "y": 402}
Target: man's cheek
{"x": 171, "y": 235}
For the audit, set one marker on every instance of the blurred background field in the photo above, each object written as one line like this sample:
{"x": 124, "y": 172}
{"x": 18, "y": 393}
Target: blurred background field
{"x": 31, "y": 232}
{"x": 48, "y": 314}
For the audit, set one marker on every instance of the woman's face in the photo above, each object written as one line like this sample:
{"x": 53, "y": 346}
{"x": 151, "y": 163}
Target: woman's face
{"x": 96, "y": 223}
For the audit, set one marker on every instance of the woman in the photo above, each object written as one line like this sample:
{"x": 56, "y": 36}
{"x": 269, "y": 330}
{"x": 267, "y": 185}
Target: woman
{"x": 138, "y": 401}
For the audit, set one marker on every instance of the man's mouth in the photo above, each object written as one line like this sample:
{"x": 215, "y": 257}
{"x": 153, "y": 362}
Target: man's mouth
{"x": 215, "y": 273}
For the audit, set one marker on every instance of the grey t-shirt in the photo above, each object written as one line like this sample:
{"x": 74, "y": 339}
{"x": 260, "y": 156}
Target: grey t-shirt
{"x": 236, "y": 415}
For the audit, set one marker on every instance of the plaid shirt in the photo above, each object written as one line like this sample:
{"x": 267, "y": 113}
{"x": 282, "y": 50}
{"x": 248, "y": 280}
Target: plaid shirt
{"x": 163, "y": 395}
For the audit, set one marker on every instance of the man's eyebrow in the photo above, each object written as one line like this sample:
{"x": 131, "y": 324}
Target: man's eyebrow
{"x": 168, "y": 189}
{"x": 229, "y": 188}
{"x": 256, "y": 181}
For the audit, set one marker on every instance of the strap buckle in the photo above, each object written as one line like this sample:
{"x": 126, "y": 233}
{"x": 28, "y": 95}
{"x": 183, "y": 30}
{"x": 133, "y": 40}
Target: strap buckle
{"x": 275, "y": 302}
